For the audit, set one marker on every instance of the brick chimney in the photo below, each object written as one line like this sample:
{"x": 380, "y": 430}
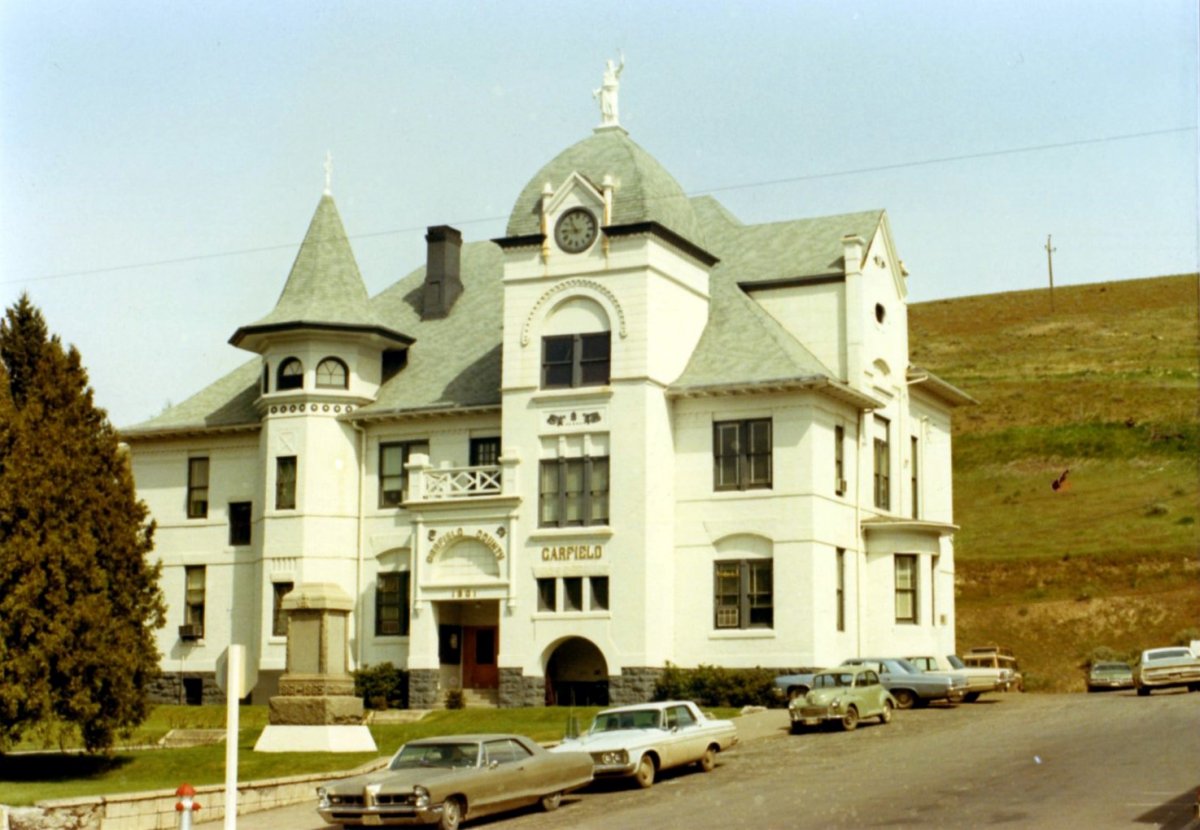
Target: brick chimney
{"x": 443, "y": 283}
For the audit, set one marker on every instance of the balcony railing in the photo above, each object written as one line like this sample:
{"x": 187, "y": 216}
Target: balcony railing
{"x": 462, "y": 482}
{"x": 443, "y": 483}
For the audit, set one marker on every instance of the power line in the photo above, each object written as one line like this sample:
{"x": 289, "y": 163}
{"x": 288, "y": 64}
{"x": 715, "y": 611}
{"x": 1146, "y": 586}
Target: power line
{"x": 721, "y": 189}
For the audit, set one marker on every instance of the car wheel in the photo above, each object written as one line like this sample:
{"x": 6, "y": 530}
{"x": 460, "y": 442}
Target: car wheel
{"x": 850, "y": 720}
{"x": 886, "y": 715}
{"x": 797, "y": 727}
{"x": 904, "y": 698}
{"x": 1143, "y": 691}
{"x": 708, "y": 761}
{"x": 971, "y": 697}
{"x": 550, "y": 802}
{"x": 645, "y": 772}
{"x": 451, "y": 814}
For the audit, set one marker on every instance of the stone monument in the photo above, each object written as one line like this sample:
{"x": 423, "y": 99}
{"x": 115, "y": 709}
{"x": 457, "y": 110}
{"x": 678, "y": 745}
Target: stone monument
{"x": 316, "y": 709}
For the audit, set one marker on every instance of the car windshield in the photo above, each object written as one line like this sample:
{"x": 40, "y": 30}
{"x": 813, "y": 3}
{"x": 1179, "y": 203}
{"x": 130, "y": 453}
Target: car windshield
{"x": 1170, "y": 654}
{"x": 833, "y": 680}
{"x": 954, "y": 662}
{"x": 905, "y": 666}
{"x": 627, "y": 719}
{"x": 445, "y": 756}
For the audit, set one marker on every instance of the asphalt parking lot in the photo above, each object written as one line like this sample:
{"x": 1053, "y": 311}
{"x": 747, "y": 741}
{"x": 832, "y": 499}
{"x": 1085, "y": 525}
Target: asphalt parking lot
{"x": 1018, "y": 760}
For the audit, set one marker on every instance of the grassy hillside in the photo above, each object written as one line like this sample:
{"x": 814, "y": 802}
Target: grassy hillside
{"x": 1103, "y": 388}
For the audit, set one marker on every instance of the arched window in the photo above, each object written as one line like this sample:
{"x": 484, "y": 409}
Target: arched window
{"x": 331, "y": 374}
{"x": 291, "y": 375}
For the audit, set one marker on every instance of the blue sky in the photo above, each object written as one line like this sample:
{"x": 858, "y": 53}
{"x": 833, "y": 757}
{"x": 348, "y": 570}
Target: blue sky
{"x": 160, "y": 161}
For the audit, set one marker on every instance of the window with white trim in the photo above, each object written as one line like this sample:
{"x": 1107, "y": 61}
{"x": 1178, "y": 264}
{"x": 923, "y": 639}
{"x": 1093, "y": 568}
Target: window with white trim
{"x": 906, "y": 588}
{"x": 742, "y": 454}
{"x": 742, "y": 594}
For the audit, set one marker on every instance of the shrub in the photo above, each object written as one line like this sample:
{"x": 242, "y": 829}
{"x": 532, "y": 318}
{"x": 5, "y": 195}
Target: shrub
{"x": 455, "y": 699}
{"x": 717, "y": 686}
{"x": 382, "y": 686}
{"x": 1185, "y": 636}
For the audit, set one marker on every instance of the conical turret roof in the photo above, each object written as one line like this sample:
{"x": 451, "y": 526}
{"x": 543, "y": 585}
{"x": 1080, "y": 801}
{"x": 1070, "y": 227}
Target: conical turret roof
{"x": 324, "y": 289}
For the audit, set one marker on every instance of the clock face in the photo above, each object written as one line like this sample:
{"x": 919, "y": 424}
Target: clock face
{"x": 576, "y": 230}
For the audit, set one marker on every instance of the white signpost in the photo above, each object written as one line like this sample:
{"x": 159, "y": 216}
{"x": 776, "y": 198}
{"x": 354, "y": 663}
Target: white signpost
{"x": 236, "y": 679}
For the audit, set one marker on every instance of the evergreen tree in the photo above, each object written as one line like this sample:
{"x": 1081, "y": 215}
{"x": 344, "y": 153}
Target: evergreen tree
{"x": 79, "y": 600}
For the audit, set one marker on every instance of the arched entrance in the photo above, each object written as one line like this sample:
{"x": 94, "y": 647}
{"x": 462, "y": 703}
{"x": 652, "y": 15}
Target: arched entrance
{"x": 576, "y": 675}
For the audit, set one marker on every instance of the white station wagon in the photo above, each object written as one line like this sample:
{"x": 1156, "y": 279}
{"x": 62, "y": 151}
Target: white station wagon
{"x": 642, "y": 740}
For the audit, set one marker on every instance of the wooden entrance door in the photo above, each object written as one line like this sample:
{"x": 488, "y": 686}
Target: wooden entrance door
{"x": 480, "y": 644}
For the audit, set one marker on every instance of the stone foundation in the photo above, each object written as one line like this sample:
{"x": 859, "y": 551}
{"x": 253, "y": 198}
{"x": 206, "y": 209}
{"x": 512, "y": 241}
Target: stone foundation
{"x": 423, "y": 688}
{"x": 168, "y": 688}
{"x": 315, "y": 710}
{"x": 312, "y": 685}
{"x": 635, "y": 684}
{"x": 517, "y": 690}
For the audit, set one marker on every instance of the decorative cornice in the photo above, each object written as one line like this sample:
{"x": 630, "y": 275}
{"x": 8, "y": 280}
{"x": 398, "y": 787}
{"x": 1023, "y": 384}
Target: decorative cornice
{"x": 667, "y": 235}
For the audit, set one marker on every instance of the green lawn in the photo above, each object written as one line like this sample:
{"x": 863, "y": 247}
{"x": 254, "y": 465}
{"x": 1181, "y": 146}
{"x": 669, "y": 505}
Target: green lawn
{"x": 26, "y": 778}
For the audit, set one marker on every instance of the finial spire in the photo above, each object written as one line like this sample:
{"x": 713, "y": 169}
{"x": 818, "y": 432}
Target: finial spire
{"x": 328, "y": 173}
{"x": 607, "y": 93}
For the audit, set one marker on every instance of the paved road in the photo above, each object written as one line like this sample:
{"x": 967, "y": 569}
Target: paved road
{"x": 1027, "y": 761}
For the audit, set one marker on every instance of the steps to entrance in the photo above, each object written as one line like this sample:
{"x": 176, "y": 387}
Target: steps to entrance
{"x": 474, "y": 699}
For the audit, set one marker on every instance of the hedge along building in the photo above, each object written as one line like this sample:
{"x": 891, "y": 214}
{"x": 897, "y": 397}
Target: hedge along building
{"x": 632, "y": 431}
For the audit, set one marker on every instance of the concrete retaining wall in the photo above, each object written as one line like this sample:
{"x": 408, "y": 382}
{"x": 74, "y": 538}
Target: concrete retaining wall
{"x": 155, "y": 810}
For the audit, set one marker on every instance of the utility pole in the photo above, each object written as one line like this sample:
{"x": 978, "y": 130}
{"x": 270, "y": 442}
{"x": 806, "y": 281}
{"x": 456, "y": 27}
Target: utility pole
{"x": 1050, "y": 265}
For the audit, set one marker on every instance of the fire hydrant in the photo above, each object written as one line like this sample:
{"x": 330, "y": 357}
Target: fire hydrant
{"x": 186, "y": 805}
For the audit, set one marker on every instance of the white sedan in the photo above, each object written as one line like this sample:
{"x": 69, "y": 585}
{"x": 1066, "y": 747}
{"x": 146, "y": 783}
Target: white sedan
{"x": 642, "y": 740}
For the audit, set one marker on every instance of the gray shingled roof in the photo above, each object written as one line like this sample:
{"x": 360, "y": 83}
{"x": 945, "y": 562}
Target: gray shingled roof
{"x": 455, "y": 361}
{"x": 743, "y": 344}
{"x": 644, "y": 192}
{"x": 324, "y": 287}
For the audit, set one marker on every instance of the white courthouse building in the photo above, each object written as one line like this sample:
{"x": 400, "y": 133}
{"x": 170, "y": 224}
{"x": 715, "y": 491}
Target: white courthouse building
{"x": 631, "y": 431}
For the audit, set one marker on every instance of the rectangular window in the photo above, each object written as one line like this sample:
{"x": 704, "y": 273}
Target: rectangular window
{"x": 392, "y": 477}
{"x": 883, "y": 486}
{"x": 742, "y": 594}
{"x": 485, "y": 452}
{"x": 571, "y": 360}
{"x": 197, "y": 488}
{"x": 742, "y": 454}
{"x": 906, "y": 588}
{"x": 572, "y": 593}
{"x": 193, "y": 607}
{"x": 239, "y": 522}
{"x": 916, "y": 500}
{"x": 599, "y": 586}
{"x": 841, "y": 589}
{"x": 839, "y": 460}
{"x": 279, "y": 618}
{"x": 573, "y": 491}
{"x": 547, "y": 599}
{"x": 391, "y": 604}
{"x": 285, "y": 482}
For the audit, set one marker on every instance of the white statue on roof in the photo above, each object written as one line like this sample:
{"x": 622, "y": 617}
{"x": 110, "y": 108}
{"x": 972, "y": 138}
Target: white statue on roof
{"x": 607, "y": 94}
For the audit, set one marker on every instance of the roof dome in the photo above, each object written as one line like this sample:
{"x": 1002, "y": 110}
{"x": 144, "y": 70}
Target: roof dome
{"x": 644, "y": 190}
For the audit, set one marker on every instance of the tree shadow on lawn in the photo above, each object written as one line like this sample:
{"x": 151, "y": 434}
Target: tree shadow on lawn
{"x": 58, "y": 766}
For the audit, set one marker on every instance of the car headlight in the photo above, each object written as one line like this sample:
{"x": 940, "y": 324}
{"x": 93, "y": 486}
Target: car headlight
{"x": 420, "y": 797}
{"x": 837, "y": 703}
{"x": 615, "y": 757}
{"x": 322, "y": 797}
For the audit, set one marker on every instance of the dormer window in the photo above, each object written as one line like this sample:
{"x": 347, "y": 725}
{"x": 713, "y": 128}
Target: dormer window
{"x": 291, "y": 375}
{"x": 331, "y": 374}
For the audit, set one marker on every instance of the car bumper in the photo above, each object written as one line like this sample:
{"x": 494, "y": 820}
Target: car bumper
{"x": 380, "y": 816}
{"x": 813, "y": 715}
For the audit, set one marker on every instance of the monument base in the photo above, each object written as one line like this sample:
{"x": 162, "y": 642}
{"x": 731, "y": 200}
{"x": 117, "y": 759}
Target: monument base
{"x": 332, "y": 738}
